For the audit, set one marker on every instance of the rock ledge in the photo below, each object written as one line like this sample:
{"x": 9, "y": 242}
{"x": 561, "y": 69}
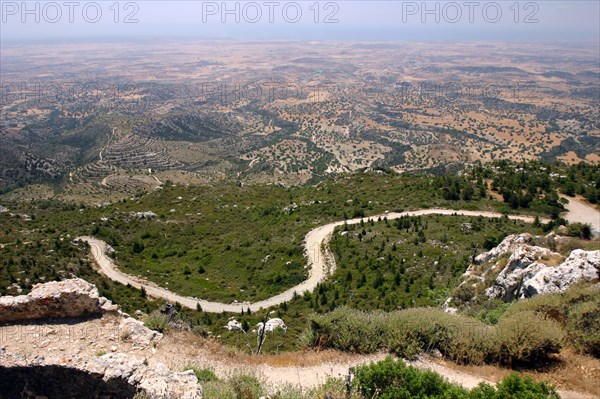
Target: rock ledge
{"x": 68, "y": 298}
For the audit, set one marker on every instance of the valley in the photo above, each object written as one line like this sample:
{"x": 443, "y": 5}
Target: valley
{"x": 301, "y": 112}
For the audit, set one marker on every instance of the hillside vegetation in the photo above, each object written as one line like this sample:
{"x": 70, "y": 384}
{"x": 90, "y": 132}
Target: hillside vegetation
{"x": 230, "y": 242}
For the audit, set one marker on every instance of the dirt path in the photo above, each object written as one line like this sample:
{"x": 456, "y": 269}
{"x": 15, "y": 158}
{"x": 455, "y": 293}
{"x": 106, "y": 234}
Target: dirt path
{"x": 579, "y": 211}
{"x": 104, "y": 182}
{"x": 179, "y": 350}
{"x": 107, "y": 144}
{"x": 160, "y": 183}
{"x": 320, "y": 263}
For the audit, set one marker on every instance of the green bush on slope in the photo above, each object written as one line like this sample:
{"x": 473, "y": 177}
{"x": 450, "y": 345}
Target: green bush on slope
{"x": 393, "y": 379}
{"x": 520, "y": 338}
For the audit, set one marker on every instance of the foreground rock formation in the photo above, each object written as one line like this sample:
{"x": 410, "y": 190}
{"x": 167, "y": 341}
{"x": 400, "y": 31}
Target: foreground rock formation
{"x": 112, "y": 375}
{"x": 68, "y": 298}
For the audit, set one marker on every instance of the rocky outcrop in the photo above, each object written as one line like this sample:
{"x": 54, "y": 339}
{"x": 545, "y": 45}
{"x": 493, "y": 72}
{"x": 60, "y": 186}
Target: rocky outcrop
{"x": 509, "y": 244}
{"x": 518, "y": 268}
{"x": 579, "y": 266}
{"x": 145, "y": 215}
{"x": 68, "y": 298}
{"x": 137, "y": 333}
{"x": 527, "y": 272}
{"x": 115, "y": 375}
{"x": 522, "y": 265}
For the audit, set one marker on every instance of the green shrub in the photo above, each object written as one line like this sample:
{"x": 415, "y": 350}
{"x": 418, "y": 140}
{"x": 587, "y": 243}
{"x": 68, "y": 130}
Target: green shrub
{"x": 307, "y": 338}
{"x": 393, "y": 379}
{"x": 580, "y": 230}
{"x": 350, "y": 330}
{"x": 527, "y": 337}
{"x": 547, "y": 305}
{"x": 218, "y": 389}
{"x": 471, "y": 342}
{"x": 289, "y": 392}
{"x": 246, "y": 386}
{"x": 157, "y": 322}
{"x": 413, "y": 331}
{"x": 203, "y": 374}
{"x": 521, "y": 337}
{"x": 577, "y": 309}
{"x": 491, "y": 311}
{"x": 460, "y": 338}
{"x": 583, "y": 327}
{"x": 333, "y": 387}
{"x": 517, "y": 387}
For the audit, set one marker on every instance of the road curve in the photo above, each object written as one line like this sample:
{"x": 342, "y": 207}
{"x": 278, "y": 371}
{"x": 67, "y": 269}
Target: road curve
{"x": 320, "y": 263}
{"x": 579, "y": 211}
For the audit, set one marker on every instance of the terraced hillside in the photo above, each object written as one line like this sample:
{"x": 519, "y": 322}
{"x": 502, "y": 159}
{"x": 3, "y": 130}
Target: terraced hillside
{"x": 294, "y": 113}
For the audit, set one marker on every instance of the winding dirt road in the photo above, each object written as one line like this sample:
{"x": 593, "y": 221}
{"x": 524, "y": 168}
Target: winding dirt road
{"x": 320, "y": 263}
{"x": 579, "y": 211}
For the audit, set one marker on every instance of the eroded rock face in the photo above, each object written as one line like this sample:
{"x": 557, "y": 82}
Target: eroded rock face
{"x": 526, "y": 274}
{"x": 115, "y": 375}
{"x": 522, "y": 265}
{"x": 507, "y": 245}
{"x": 137, "y": 333}
{"x": 579, "y": 266}
{"x": 517, "y": 268}
{"x": 68, "y": 298}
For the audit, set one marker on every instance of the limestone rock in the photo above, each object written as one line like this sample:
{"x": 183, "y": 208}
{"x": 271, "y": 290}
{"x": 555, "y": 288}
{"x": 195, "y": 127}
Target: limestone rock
{"x": 134, "y": 331}
{"x": 521, "y": 265}
{"x": 110, "y": 375}
{"x": 520, "y": 269}
{"x": 507, "y": 245}
{"x": 579, "y": 266}
{"x": 68, "y": 298}
{"x": 525, "y": 275}
{"x": 107, "y": 306}
{"x": 145, "y": 215}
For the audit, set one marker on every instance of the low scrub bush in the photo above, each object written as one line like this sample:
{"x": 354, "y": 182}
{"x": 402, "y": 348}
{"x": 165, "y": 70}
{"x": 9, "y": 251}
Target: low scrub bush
{"x": 237, "y": 386}
{"x": 522, "y": 337}
{"x": 218, "y": 389}
{"x": 157, "y": 322}
{"x": 246, "y": 386}
{"x": 550, "y": 305}
{"x": 527, "y": 337}
{"x": 394, "y": 379}
{"x": 203, "y": 374}
{"x": 577, "y": 310}
{"x": 460, "y": 338}
{"x": 350, "y": 330}
{"x": 583, "y": 327}
{"x": 391, "y": 379}
{"x": 517, "y": 387}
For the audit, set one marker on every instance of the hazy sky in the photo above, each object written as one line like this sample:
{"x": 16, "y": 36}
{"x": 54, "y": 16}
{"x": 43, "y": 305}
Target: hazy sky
{"x": 343, "y": 19}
